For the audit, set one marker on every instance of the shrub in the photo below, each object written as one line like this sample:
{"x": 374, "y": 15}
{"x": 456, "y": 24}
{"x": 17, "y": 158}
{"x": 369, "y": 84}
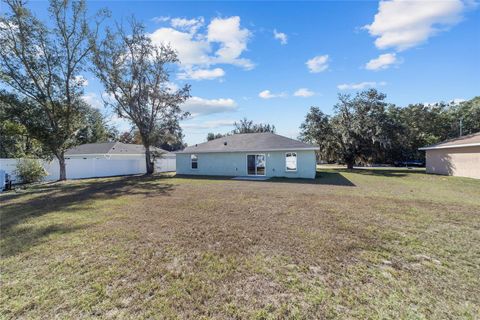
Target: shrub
{"x": 30, "y": 170}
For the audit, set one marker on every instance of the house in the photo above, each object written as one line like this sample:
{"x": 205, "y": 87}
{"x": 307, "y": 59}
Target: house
{"x": 112, "y": 150}
{"x": 121, "y": 151}
{"x": 249, "y": 154}
{"x": 455, "y": 157}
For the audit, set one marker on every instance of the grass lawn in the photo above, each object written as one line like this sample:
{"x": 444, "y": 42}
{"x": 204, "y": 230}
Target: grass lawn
{"x": 359, "y": 244}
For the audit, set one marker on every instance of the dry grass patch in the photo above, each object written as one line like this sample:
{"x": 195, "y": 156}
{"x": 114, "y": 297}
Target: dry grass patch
{"x": 361, "y": 244}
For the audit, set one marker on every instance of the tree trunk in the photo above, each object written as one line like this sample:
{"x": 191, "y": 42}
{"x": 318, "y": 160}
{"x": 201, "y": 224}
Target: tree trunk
{"x": 149, "y": 163}
{"x": 63, "y": 170}
{"x": 350, "y": 165}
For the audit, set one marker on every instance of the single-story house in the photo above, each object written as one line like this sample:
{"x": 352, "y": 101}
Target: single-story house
{"x": 455, "y": 157}
{"x": 249, "y": 154}
{"x": 113, "y": 150}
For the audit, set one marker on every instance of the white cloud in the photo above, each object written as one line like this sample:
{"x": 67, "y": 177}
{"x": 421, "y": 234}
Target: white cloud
{"x": 318, "y": 64}
{"x": 223, "y": 41}
{"x": 190, "y": 25}
{"x": 201, "y": 74}
{"x": 172, "y": 86}
{"x": 304, "y": 92}
{"x": 282, "y": 37}
{"x": 93, "y": 100}
{"x": 121, "y": 124}
{"x": 81, "y": 80}
{"x": 190, "y": 49}
{"x": 232, "y": 39}
{"x": 384, "y": 61}
{"x": 209, "y": 124}
{"x": 160, "y": 19}
{"x": 199, "y": 106}
{"x": 266, "y": 94}
{"x": 404, "y": 24}
{"x": 360, "y": 85}
{"x": 457, "y": 101}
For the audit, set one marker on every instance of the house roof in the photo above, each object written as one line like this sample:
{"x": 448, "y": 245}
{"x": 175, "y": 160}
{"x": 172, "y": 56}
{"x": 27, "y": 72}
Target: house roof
{"x": 248, "y": 142}
{"x": 112, "y": 148}
{"x": 470, "y": 140}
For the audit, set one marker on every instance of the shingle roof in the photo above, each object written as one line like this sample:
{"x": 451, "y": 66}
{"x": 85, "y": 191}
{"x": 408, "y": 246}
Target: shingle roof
{"x": 247, "y": 142}
{"x": 116, "y": 148}
{"x": 470, "y": 140}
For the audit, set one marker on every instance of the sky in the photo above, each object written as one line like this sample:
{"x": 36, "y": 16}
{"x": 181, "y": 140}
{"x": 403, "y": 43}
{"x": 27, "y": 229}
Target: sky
{"x": 271, "y": 61}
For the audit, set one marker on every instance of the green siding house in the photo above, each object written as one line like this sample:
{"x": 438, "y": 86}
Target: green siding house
{"x": 249, "y": 155}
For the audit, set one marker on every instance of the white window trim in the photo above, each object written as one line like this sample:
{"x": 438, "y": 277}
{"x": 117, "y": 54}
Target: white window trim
{"x": 296, "y": 162}
{"x": 191, "y": 161}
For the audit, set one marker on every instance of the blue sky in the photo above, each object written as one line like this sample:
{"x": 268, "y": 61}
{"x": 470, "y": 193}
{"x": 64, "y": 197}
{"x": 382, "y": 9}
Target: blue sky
{"x": 271, "y": 61}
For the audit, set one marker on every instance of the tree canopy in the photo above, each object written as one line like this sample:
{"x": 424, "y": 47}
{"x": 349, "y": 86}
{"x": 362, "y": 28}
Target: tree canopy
{"x": 243, "y": 126}
{"x": 365, "y": 129}
{"x": 41, "y": 65}
{"x": 134, "y": 73}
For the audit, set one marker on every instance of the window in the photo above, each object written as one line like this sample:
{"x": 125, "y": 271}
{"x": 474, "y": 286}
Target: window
{"x": 194, "y": 160}
{"x": 291, "y": 161}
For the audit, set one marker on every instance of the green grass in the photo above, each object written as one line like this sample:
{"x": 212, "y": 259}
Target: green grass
{"x": 374, "y": 244}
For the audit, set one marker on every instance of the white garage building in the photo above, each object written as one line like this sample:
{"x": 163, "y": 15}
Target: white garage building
{"x": 122, "y": 151}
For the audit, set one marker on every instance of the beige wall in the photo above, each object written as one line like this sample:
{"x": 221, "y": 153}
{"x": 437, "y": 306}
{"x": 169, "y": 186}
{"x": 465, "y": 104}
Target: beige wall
{"x": 462, "y": 162}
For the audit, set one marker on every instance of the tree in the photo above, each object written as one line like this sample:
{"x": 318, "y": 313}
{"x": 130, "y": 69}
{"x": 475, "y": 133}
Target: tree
{"x": 357, "y": 132}
{"x": 415, "y": 126}
{"x": 247, "y": 126}
{"x": 243, "y": 126}
{"x": 468, "y": 114}
{"x": 41, "y": 66}
{"x": 95, "y": 128}
{"x": 317, "y": 129}
{"x": 134, "y": 72}
{"x": 361, "y": 126}
{"x": 127, "y": 137}
{"x": 14, "y": 139}
{"x": 168, "y": 135}
{"x": 212, "y": 136}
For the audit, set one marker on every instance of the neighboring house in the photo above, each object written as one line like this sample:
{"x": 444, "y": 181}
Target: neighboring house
{"x": 112, "y": 150}
{"x": 122, "y": 151}
{"x": 249, "y": 154}
{"x": 455, "y": 157}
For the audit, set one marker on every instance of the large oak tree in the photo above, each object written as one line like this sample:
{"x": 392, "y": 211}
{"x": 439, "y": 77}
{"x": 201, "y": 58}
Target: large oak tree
{"x": 134, "y": 72}
{"x": 41, "y": 66}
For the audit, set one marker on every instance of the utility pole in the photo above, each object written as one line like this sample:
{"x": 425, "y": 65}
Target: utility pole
{"x": 461, "y": 126}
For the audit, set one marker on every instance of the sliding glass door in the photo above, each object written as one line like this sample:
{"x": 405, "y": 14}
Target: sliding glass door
{"x": 256, "y": 164}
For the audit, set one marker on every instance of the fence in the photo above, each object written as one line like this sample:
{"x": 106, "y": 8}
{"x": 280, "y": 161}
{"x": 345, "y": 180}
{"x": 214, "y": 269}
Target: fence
{"x": 84, "y": 168}
{"x": 165, "y": 164}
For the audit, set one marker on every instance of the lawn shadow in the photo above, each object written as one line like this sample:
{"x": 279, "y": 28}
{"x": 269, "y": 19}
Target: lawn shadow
{"x": 394, "y": 173}
{"x": 322, "y": 178}
{"x": 25, "y": 237}
{"x": 201, "y": 177}
{"x": 74, "y": 195}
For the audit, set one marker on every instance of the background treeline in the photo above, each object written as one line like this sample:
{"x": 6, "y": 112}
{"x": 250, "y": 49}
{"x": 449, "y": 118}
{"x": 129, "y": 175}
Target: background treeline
{"x": 15, "y": 142}
{"x": 243, "y": 126}
{"x": 365, "y": 129}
